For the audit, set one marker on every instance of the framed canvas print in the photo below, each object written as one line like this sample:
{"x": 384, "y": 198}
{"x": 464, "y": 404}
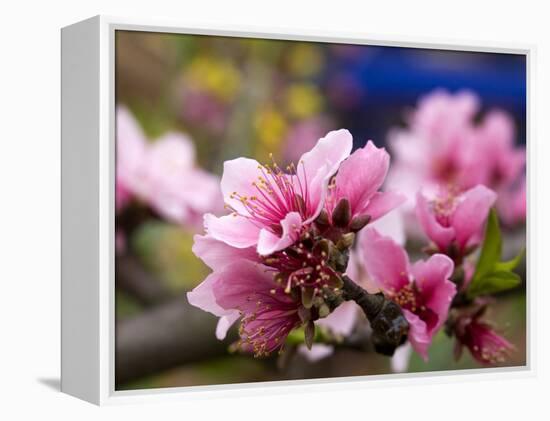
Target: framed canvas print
{"x": 247, "y": 210}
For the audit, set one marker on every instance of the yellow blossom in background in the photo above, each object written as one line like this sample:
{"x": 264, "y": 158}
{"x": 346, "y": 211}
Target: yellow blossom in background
{"x": 271, "y": 128}
{"x": 305, "y": 60}
{"x": 303, "y": 100}
{"x": 219, "y": 77}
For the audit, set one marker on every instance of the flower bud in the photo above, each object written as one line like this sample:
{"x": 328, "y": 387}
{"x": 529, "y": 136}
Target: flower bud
{"x": 309, "y": 334}
{"x": 359, "y": 222}
{"x": 341, "y": 215}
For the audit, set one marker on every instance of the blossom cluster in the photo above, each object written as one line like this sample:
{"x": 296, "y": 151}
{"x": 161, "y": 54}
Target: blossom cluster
{"x": 162, "y": 174}
{"x": 310, "y": 245}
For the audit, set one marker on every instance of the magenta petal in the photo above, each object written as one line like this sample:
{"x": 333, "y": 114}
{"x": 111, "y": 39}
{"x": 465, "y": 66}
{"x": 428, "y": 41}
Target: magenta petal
{"x": 471, "y": 213}
{"x": 236, "y": 284}
{"x": 238, "y": 176}
{"x": 269, "y": 243}
{"x": 418, "y": 334}
{"x": 386, "y": 262}
{"x": 440, "y": 235}
{"x": 236, "y": 231}
{"x": 317, "y": 166}
{"x": 383, "y": 202}
{"x": 361, "y": 175}
{"x": 217, "y": 254}
{"x": 432, "y": 278}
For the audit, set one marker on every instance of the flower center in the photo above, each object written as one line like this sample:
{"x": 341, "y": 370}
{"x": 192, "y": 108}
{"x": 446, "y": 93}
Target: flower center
{"x": 444, "y": 206}
{"x": 410, "y": 298}
{"x": 277, "y": 193}
{"x": 304, "y": 268}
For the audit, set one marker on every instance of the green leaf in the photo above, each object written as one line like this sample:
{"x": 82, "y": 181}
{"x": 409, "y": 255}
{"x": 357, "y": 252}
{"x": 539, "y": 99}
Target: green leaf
{"x": 497, "y": 281}
{"x": 492, "y": 248}
{"x": 511, "y": 264}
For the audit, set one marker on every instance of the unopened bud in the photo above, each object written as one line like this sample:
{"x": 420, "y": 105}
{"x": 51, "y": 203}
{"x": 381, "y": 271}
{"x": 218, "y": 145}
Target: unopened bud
{"x": 322, "y": 219}
{"x": 359, "y": 222}
{"x": 341, "y": 215}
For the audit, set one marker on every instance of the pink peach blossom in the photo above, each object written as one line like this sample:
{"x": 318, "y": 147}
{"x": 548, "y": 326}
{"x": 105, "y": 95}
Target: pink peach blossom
{"x": 512, "y": 203}
{"x": 130, "y": 154}
{"x": 162, "y": 173}
{"x": 269, "y": 206}
{"x": 175, "y": 187}
{"x": 485, "y": 345}
{"x": 423, "y": 290}
{"x": 454, "y": 222}
{"x": 247, "y": 290}
{"x": 443, "y": 146}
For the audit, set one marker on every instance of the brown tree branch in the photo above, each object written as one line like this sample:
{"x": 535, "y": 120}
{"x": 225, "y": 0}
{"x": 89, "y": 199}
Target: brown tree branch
{"x": 133, "y": 279}
{"x": 165, "y": 336}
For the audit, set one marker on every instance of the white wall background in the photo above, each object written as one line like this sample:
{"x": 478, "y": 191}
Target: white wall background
{"x": 29, "y": 177}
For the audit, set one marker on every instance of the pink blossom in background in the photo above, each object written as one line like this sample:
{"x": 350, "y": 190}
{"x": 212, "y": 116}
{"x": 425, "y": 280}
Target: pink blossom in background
{"x": 512, "y": 203}
{"x": 270, "y": 206}
{"x": 176, "y": 188}
{"x": 444, "y": 146}
{"x": 485, "y": 345}
{"x": 423, "y": 289}
{"x": 202, "y": 108}
{"x": 163, "y": 174}
{"x": 131, "y": 147}
{"x": 454, "y": 221}
{"x": 504, "y": 162}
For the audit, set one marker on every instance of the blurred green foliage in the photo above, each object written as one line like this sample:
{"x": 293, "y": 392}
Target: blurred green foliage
{"x": 165, "y": 250}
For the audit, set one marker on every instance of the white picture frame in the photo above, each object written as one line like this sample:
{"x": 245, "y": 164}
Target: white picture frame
{"x": 88, "y": 168}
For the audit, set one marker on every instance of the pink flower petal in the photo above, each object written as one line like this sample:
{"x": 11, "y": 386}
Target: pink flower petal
{"x": 418, "y": 334}
{"x": 471, "y": 213}
{"x": 383, "y": 202}
{"x": 217, "y": 254}
{"x": 202, "y": 296}
{"x": 432, "y": 278}
{"x": 131, "y": 148}
{"x": 440, "y": 235}
{"x": 317, "y": 166}
{"x": 238, "y": 176}
{"x": 235, "y": 231}
{"x": 386, "y": 262}
{"x": 317, "y": 352}
{"x": 225, "y": 323}
{"x": 400, "y": 360}
{"x": 361, "y": 175}
{"x": 236, "y": 284}
{"x": 269, "y": 243}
